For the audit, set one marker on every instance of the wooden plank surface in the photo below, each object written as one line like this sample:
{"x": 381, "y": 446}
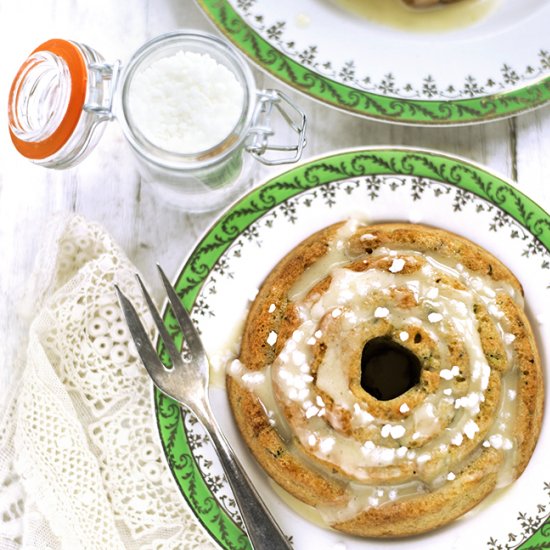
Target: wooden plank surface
{"x": 107, "y": 188}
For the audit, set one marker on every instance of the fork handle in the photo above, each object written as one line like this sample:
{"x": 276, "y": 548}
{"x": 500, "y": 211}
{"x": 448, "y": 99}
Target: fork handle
{"x": 262, "y": 530}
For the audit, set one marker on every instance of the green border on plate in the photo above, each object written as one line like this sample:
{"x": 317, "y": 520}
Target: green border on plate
{"x": 311, "y": 174}
{"x": 368, "y": 104}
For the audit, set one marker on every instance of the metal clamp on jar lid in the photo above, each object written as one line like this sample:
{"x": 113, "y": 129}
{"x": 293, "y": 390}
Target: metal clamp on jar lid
{"x": 187, "y": 104}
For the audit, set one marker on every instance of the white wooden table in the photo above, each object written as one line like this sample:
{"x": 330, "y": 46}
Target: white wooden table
{"x": 106, "y": 188}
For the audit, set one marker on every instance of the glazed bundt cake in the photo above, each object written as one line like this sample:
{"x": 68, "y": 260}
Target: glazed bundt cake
{"x": 388, "y": 376}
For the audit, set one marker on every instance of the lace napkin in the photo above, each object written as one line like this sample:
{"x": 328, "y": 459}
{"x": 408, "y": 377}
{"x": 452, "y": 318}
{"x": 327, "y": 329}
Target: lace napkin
{"x": 80, "y": 461}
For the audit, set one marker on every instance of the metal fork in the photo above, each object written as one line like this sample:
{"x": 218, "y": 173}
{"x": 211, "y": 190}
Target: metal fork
{"x": 187, "y": 383}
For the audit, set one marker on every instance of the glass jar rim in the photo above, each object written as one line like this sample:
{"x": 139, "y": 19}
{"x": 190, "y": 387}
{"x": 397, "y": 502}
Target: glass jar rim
{"x": 171, "y": 159}
{"x": 65, "y": 58}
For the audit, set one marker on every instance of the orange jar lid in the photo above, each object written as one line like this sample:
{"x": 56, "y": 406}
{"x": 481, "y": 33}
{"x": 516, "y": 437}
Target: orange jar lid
{"x": 78, "y": 73}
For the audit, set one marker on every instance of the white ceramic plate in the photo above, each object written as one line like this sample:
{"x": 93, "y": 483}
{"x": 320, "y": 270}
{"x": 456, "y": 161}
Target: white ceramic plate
{"x": 494, "y": 67}
{"x": 222, "y": 274}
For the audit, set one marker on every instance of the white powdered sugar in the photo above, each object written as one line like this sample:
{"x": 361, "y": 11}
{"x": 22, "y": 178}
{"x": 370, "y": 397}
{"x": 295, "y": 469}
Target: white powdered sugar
{"x": 186, "y": 102}
{"x": 435, "y": 317}
{"x": 381, "y": 312}
{"x": 397, "y": 265}
{"x": 470, "y": 429}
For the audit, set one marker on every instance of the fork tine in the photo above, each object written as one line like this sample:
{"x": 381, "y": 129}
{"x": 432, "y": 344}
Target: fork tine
{"x": 141, "y": 339}
{"x": 166, "y": 338}
{"x": 188, "y": 328}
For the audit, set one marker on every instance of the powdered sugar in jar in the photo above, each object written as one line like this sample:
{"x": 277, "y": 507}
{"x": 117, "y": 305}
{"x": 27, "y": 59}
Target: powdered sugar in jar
{"x": 186, "y": 101}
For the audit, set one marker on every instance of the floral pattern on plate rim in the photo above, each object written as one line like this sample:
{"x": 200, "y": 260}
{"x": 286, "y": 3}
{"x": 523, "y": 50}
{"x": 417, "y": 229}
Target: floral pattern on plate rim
{"x": 276, "y": 33}
{"x": 466, "y": 185}
{"x": 432, "y": 103}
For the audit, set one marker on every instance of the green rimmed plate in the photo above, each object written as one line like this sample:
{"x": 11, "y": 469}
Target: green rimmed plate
{"x": 494, "y": 68}
{"x": 221, "y": 275}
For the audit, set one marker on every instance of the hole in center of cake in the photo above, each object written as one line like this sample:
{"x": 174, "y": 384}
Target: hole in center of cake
{"x": 388, "y": 369}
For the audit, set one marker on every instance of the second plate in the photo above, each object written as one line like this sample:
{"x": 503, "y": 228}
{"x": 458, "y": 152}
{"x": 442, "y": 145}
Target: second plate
{"x": 458, "y": 73}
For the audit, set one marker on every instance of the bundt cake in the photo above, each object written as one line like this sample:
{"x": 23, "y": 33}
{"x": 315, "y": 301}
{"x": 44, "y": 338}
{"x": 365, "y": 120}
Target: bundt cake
{"x": 389, "y": 377}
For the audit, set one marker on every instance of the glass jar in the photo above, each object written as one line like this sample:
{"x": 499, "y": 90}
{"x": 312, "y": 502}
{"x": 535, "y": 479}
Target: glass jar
{"x": 65, "y": 90}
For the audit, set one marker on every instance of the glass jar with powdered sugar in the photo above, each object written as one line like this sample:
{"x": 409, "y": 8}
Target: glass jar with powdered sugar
{"x": 187, "y": 103}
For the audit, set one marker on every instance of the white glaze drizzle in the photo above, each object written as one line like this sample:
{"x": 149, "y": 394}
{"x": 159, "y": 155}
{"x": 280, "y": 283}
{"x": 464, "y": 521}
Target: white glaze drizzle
{"x": 347, "y": 300}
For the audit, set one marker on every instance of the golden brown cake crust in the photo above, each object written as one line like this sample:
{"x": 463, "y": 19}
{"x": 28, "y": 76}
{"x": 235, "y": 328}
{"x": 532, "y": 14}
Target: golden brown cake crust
{"x": 313, "y": 476}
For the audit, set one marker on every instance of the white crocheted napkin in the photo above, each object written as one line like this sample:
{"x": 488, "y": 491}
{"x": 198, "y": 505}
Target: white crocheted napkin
{"x": 80, "y": 461}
